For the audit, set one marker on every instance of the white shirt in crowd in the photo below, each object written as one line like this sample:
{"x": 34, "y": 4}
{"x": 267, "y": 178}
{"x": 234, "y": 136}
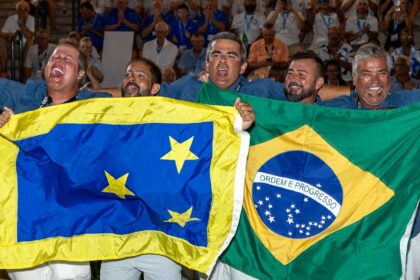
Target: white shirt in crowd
{"x": 165, "y": 57}
{"x": 286, "y": 27}
{"x": 249, "y": 24}
{"x": 11, "y": 25}
{"x": 354, "y": 24}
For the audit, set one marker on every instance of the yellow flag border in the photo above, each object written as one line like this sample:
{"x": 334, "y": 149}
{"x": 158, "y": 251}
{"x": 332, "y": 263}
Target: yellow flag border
{"x": 227, "y": 183}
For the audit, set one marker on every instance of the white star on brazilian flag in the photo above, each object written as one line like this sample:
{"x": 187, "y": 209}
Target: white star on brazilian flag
{"x": 363, "y": 193}
{"x": 117, "y": 186}
{"x": 180, "y": 152}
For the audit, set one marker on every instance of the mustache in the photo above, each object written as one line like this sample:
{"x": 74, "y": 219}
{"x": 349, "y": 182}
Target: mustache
{"x": 125, "y": 89}
{"x": 291, "y": 84}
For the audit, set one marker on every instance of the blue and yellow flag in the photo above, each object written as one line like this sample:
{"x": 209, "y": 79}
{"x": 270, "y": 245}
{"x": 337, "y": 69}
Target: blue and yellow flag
{"x": 113, "y": 178}
{"x": 330, "y": 193}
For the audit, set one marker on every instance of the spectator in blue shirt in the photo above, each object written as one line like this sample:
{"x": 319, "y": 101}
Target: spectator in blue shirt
{"x": 122, "y": 18}
{"x": 91, "y": 25}
{"x": 225, "y": 64}
{"x": 157, "y": 14}
{"x": 182, "y": 28}
{"x": 212, "y": 21}
{"x": 193, "y": 60}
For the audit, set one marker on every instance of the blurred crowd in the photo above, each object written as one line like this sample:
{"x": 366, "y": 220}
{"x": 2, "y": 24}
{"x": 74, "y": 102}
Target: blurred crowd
{"x": 174, "y": 34}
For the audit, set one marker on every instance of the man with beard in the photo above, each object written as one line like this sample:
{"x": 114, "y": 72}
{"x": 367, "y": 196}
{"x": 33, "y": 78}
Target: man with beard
{"x": 63, "y": 73}
{"x": 304, "y": 78}
{"x": 142, "y": 78}
{"x": 225, "y": 64}
{"x": 371, "y": 78}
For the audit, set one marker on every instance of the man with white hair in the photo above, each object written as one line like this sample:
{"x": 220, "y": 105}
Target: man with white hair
{"x": 371, "y": 79}
{"x": 160, "y": 50}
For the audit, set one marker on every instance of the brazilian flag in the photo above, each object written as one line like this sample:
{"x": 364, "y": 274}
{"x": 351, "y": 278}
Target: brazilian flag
{"x": 330, "y": 193}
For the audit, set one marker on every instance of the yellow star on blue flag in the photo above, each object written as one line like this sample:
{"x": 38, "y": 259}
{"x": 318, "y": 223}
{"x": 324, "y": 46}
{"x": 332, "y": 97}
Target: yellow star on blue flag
{"x": 117, "y": 186}
{"x": 181, "y": 218}
{"x": 180, "y": 152}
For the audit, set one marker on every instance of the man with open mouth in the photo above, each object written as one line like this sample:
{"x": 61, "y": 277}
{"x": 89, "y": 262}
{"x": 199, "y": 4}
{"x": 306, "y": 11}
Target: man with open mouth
{"x": 63, "y": 73}
{"x": 372, "y": 83}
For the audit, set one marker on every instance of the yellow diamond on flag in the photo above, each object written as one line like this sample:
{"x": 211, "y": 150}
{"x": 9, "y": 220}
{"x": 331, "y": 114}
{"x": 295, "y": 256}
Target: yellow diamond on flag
{"x": 299, "y": 190}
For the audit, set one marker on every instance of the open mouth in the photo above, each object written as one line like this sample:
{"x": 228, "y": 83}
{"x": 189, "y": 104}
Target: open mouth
{"x": 375, "y": 92}
{"x": 131, "y": 89}
{"x": 294, "y": 87}
{"x": 56, "y": 72}
{"x": 222, "y": 72}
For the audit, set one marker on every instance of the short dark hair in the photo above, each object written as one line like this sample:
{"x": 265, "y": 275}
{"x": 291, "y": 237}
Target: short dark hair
{"x": 197, "y": 34}
{"x": 310, "y": 55}
{"x": 87, "y": 5}
{"x": 183, "y": 6}
{"x": 154, "y": 69}
{"x": 332, "y": 62}
{"x": 227, "y": 36}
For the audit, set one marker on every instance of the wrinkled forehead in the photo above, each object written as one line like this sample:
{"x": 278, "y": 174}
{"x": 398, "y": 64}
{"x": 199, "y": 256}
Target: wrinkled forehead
{"x": 66, "y": 50}
{"x": 225, "y": 46}
{"x": 373, "y": 63}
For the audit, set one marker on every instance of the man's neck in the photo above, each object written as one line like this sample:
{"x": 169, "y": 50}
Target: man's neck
{"x": 308, "y": 100}
{"x": 160, "y": 42}
{"x": 361, "y": 16}
{"x": 42, "y": 50}
{"x": 91, "y": 16}
{"x": 406, "y": 50}
{"x": 59, "y": 97}
{"x": 268, "y": 43}
{"x": 197, "y": 52}
{"x": 402, "y": 78}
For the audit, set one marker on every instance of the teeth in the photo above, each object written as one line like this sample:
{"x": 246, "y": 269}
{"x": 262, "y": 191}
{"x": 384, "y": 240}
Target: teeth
{"x": 132, "y": 88}
{"x": 57, "y": 71}
{"x": 374, "y": 90}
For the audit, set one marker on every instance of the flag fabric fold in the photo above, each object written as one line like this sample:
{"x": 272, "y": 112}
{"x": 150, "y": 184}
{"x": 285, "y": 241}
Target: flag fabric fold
{"x": 114, "y": 178}
{"x": 330, "y": 193}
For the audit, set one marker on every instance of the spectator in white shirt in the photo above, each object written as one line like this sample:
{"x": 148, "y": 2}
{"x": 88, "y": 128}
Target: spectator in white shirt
{"x": 38, "y": 56}
{"x": 361, "y": 28}
{"x": 248, "y": 24}
{"x": 161, "y": 51}
{"x": 288, "y": 24}
{"x": 20, "y": 23}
